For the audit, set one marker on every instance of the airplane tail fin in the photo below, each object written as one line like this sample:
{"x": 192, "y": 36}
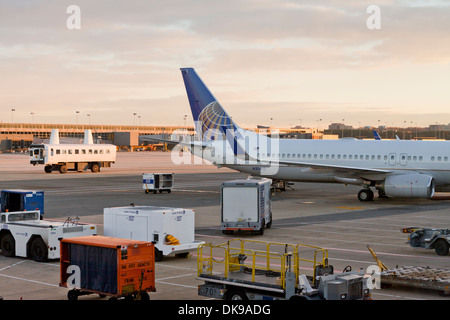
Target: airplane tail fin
{"x": 211, "y": 120}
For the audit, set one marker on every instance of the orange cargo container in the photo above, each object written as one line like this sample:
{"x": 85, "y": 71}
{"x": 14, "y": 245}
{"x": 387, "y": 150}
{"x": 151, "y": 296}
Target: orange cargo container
{"x": 107, "y": 266}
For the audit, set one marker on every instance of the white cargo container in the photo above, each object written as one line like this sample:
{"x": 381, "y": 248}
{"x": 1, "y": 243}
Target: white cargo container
{"x": 246, "y": 205}
{"x": 157, "y": 182}
{"x": 170, "y": 229}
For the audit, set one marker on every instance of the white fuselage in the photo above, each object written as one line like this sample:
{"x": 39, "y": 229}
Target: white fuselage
{"x": 398, "y": 156}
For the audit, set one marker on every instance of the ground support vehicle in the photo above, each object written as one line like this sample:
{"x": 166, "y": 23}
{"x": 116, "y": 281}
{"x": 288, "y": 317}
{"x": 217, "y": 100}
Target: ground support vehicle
{"x": 171, "y": 230}
{"x": 60, "y": 157}
{"x": 157, "y": 182}
{"x": 24, "y": 234}
{"x": 21, "y": 200}
{"x": 246, "y": 205}
{"x": 257, "y": 270}
{"x": 429, "y": 238}
{"x": 107, "y": 266}
{"x": 280, "y": 185}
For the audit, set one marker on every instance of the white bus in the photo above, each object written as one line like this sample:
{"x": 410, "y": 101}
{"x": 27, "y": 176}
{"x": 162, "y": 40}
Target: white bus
{"x": 75, "y": 157}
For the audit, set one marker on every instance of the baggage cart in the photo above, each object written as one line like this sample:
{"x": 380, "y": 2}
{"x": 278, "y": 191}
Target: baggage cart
{"x": 107, "y": 266}
{"x": 21, "y": 200}
{"x": 157, "y": 182}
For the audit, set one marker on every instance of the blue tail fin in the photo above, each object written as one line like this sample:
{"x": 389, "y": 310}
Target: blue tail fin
{"x": 211, "y": 121}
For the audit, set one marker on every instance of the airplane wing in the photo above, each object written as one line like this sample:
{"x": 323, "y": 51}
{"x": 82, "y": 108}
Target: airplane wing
{"x": 353, "y": 170}
{"x": 194, "y": 143}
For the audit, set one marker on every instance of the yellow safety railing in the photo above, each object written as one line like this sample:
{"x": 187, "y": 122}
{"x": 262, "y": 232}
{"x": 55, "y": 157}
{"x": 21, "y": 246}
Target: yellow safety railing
{"x": 277, "y": 258}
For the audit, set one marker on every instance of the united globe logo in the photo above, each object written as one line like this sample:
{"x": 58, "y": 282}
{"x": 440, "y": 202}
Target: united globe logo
{"x": 214, "y": 122}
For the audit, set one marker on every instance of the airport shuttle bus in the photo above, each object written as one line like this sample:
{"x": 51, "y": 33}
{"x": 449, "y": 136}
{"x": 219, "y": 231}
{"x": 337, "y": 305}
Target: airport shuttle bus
{"x": 75, "y": 157}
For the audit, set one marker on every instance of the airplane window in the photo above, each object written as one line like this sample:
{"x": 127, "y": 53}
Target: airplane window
{"x": 101, "y": 152}
{"x": 321, "y": 156}
{"x": 83, "y": 151}
{"x": 445, "y": 158}
{"x": 58, "y": 151}
{"x": 64, "y": 151}
{"x": 315, "y": 156}
{"x": 344, "y": 156}
{"x": 284, "y": 156}
{"x": 90, "y": 151}
{"x": 338, "y": 156}
{"x": 107, "y": 151}
{"x": 332, "y": 156}
{"x": 51, "y": 151}
{"x": 309, "y": 156}
{"x": 373, "y": 157}
{"x": 288, "y": 155}
{"x": 304, "y": 155}
{"x": 409, "y": 158}
{"x": 77, "y": 151}
{"x": 378, "y": 157}
{"x": 432, "y": 158}
{"x": 415, "y": 158}
{"x": 328, "y": 156}
{"x": 385, "y": 157}
{"x": 403, "y": 158}
{"x": 350, "y": 157}
{"x": 69, "y": 151}
{"x": 361, "y": 157}
{"x": 420, "y": 158}
{"x": 298, "y": 155}
{"x": 367, "y": 157}
{"x": 439, "y": 159}
{"x": 95, "y": 151}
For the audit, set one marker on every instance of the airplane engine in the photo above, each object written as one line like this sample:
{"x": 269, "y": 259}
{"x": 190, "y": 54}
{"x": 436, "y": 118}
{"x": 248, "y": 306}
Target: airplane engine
{"x": 409, "y": 186}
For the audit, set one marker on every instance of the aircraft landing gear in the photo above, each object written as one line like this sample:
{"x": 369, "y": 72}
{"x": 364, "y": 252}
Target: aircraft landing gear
{"x": 365, "y": 195}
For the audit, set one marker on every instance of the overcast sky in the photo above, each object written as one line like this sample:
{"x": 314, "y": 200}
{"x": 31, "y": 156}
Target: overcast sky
{"x": 294, "y": 61}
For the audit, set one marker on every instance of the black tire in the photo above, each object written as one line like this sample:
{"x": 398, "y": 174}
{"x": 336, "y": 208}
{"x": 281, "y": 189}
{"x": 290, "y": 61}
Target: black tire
{"x": 365, "y": 195}
{"x": 63, "y": 169}
{"x": 48, "y": 169}
{"x": 441, "y": 247}
{"x": 158, "y": 255}
{"x": 72, "y": 295}
{"x": 236, "y": 294}
{"x": 8, "y": 245}
{"x": 145, "y": 296}
{"x": 269, "y": 224}
{"x": 95, "y": 167}
{"x": 39, "y": 250}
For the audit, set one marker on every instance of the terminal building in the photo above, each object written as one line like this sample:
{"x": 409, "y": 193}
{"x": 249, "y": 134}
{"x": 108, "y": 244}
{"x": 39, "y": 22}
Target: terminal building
{"x": 17, "y": 137}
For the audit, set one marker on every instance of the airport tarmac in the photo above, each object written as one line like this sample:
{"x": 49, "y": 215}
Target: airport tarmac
{"x": 324, "y": 215}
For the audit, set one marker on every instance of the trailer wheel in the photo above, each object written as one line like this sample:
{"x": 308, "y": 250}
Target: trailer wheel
{"x": 236, "y": 294}
{"x": 48, "y": 169}
{"x": 8, "y": 245}
{"x": 62, "y": 169}
{"x": 39, "y": 250}
{"x": 95, "y": 167}
{"x": 72, "y": 295}
{"x": 441, "y": 247}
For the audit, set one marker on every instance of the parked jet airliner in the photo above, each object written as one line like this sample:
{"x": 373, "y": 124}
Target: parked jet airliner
{"x": 396, "y": 168}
